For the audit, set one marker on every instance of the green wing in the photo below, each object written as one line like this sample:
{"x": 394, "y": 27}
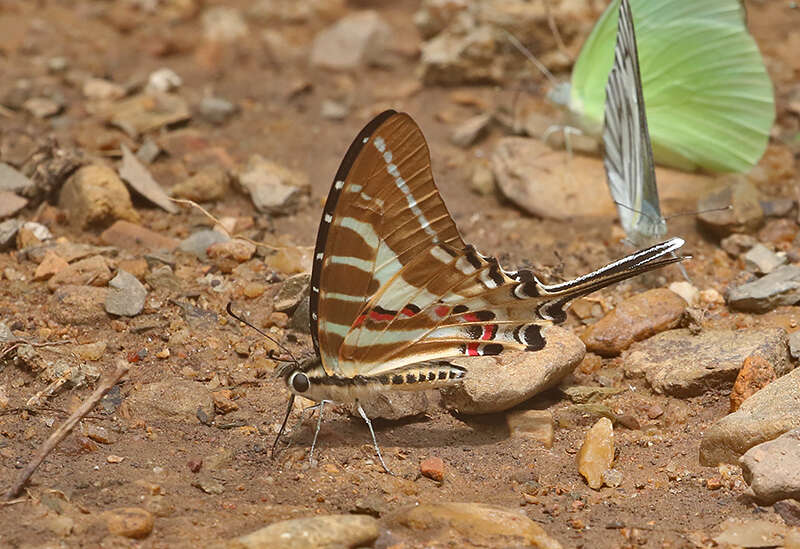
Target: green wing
{"x": 710, "y": 102}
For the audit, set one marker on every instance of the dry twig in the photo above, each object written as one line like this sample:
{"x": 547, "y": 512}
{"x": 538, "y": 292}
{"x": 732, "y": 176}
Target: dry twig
{"x": 58, "y": 435}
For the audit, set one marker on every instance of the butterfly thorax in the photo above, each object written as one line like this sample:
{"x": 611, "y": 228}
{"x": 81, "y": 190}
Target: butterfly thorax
{"x": 310, "y": 380}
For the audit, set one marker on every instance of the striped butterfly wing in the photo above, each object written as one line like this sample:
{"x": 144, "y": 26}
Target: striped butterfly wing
{"x": 382, "y": 211}
{"x": 628, "y": 153}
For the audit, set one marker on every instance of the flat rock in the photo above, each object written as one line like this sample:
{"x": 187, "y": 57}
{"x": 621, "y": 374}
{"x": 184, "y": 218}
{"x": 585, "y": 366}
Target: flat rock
{"x": 293, "y": 290}
{"x": 133, "y": 237}
{"x": 199, "y": 242}
{"x": 10, "y": 204}
{"x": 96, "y": 196}
{"x": 127, "y": 295}
{"x": 273, "y": 189}
{"x": 552, "y": 184}
{"x": 140, "y": 179}
{"x": 737, "y": 244}
{"x": 736, "y": 207}
{"x": 635, "y": 319}
{"x": 497, "y": 383}
{"x": 208, "y": 185}
{"x": 761, "y": 260}
{"x": 331, "y": 531}
{"x": 12, "y": 180}
{"x": 780, "y": 287}
{"x": 453, "y": 58}
{"x": 680, "y": 364}
{"x": 470, "y": 131}
{"x": 51, "y": 264}
{"x": 597, "y": 453}
{"x": 466, "y": 525}
{"x": 771, "y": 468}
{"x": 8, "y": 232}
{"x": 750, "y": 533}
{"x": 92, "y": 271}
{"x": 532, "y": 424}
{"x": 178, "y": 399}
{"x": 355, "y": 40}
{"x": 766, "y": 415}
{"x": 148, "y": 112}
{"x": 77, "y": 305}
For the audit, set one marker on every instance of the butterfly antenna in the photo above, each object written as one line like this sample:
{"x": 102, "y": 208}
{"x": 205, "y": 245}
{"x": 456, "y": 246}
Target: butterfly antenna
{"x": 681, "y": 214}
{"x": 637, "y": 211}
{"x": 272, "y": 339}
{"x": 530, "y": 57}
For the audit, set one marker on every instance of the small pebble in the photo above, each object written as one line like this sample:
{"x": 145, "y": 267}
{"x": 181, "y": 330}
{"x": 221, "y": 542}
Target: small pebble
{"x": 433, "y": 468}
{"x": 129, "y": 522}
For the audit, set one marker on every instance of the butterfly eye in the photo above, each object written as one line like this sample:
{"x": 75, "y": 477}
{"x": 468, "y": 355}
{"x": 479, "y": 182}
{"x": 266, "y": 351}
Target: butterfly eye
{"x": 300, "y": 382}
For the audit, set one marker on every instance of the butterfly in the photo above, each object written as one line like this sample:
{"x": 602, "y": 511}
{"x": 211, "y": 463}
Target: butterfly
{"x": 628, "y": 158}
{"x": 395, "y": 290}
{"x": 710, "y": 100}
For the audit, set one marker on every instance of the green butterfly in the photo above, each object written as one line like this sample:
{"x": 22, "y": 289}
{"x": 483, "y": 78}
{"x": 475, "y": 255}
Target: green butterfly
{"x": 710, "y": 102}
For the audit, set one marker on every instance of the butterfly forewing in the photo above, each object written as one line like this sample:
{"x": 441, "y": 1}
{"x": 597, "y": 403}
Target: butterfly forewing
{"x": 382, "y": 212}
{"x": 628, "y": 153}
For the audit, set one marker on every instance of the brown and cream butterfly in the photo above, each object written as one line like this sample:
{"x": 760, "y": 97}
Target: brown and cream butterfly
{"x": 395, "y": 290}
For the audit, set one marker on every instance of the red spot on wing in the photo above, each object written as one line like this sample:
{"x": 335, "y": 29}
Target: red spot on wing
{"x": 489, "y": 331}
{"x": 471, "y": 317}
{"x": 472, "y": 349}
{"x": 359, "y": 320}
{"x": 442, "y": 310}
{"x": 408, "y": 312}
{"x": 380, "y": 317}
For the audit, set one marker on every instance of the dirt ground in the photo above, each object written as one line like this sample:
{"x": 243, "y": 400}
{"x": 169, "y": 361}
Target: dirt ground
{"x": 665, "y": 499}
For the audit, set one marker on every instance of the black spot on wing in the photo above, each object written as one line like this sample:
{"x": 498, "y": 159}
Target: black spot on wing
{"x": 458, "y": 309}
{"x": 491, "y": 349}
{"x": 485, "y": 316}
{"x": 473, "y": 331}
{"x": 495, "y": 274}
{"x": 472, "y": 256}
{"x": 533, "y": 338}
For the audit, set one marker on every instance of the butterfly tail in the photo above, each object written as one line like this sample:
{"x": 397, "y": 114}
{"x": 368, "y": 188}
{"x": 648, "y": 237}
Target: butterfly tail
{"x": 649, "y": 259}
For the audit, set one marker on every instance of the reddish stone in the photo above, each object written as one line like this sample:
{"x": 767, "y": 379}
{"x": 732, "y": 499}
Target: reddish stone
{"x": 756, "y": 373}
{"x": 131, "y": 236}
{"x": 433, "y": 468}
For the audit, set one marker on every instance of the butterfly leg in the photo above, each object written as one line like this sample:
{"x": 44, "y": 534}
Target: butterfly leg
{"x": 371, "y": 432}
{"x": 319, "y": 406}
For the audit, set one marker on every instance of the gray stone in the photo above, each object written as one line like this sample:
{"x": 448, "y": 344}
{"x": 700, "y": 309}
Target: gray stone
{"x": 10, "y": 204}
{"x": 301, "y": 317}
{"x": 140, "y": 179}
{"x": 273, "y": 189}
{"x": 175, "y": 399}
{"x": 497, "y": 383}
{"x": 13, "y": 181}
{"x": 127, "y": 295}
{"x": 772, "y": 469}
{"x": 780, "y": 287}
{"x": 8, "y": 233}
{"x": 794, "y": 345}
{"x": 761, "y": 260}
{"x": 777, "y": 207}
{"x": 216, "y": 109}
{"x": 6, "y": 334}
{"x": 769, "y": 413}
{"x": 331, "y": 531}
{"x": 733, "y": 209}
{"x": 148, "y": 151}
{"x": 471, "y": 57}
{"x": 681, "y": 364}
{"x": 293, "y": 290}
{"x": 470, "y": 131}
{"x": 355, "y": 40}
{"x": 197, "y": 243}
{"x": 737, "y": 244}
